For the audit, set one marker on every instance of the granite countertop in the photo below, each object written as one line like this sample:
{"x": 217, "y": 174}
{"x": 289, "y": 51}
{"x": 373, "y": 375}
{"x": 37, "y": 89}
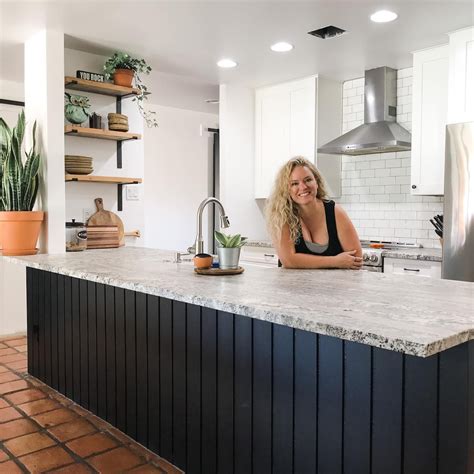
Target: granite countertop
{"x": 258, "y": 243}
{"x": 419, "y": 317}
{"x": 432, "y": 255}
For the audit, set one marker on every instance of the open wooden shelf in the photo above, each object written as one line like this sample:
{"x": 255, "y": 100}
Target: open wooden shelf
{"x": 77, "y": 131}
{"x": 105, "y": 88}
{"x": 88, "y": 178}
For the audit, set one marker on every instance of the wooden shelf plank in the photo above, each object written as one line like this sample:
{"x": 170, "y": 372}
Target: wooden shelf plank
{"x": 77, "y": 131}
{"x": 105, "y": 88}
{"x": 88, "y": 178}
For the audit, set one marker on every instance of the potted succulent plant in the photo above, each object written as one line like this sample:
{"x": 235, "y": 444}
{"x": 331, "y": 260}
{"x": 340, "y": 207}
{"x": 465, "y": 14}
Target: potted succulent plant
{"x": 228, "y": 249}
{"x": 124, "y": 69}
{"x": 19, "y": 225}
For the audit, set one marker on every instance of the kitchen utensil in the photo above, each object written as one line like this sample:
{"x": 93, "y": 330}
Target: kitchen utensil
{"x": 102, "y": 236}
{"x": 106, "y": 218}
{"x": 437, "y": 227}
{"x": 219, "y": 271}
{"x": 439, "y": 233}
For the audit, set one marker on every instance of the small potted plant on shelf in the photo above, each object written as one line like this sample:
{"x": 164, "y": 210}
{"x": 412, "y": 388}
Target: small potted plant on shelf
{"x": 228, "y": 249}
{"x": 124, "y": 69}
{"x": 19, "y": 225}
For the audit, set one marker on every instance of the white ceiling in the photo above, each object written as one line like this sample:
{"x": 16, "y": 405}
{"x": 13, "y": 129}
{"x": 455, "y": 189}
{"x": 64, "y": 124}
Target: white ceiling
{"x": 187, "y": 38}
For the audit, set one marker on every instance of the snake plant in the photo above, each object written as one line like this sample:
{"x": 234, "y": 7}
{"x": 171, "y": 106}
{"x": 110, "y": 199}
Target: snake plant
{"x": 18, "y": 180}
{"x": 229, "y": 241}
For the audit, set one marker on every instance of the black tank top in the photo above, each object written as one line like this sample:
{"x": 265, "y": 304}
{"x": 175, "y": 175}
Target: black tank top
{"x": 334, "y": 247}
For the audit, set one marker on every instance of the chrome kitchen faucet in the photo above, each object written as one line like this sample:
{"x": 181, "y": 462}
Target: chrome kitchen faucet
{"x": 199, "y": 243}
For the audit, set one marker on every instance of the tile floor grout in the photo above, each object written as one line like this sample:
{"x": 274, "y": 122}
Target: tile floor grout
{"x": 142, "y": 459}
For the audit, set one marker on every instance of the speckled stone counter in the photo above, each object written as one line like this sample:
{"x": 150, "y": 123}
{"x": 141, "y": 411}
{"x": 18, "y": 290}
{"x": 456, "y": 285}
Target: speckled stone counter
{"x": 419, "y": 317}
{"x": 431, "y": 255}
{"x": 259, "y": 243}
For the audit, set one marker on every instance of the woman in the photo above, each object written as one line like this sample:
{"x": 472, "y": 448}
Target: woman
{"x": 308, "y": 230}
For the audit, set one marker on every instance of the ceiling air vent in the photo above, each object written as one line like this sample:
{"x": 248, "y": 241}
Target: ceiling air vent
{"x": 327, "y": 32}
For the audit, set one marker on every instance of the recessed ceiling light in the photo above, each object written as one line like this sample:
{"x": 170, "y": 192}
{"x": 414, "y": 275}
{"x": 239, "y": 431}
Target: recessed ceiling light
{"x": 281, "y": 47}
{"x": 226, "y": 63}
{"x": 383, "y": 16}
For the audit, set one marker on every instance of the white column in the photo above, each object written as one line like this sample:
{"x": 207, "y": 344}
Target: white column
{"x": 44, "y": 102}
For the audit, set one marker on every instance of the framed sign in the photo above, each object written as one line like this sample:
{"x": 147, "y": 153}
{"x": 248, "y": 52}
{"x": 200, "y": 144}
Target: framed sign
{"x": 90, "y": 76}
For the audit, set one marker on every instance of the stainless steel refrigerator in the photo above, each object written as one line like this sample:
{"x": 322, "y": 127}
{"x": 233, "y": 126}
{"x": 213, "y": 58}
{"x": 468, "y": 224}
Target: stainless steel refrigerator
{"x": 458, "y": 229}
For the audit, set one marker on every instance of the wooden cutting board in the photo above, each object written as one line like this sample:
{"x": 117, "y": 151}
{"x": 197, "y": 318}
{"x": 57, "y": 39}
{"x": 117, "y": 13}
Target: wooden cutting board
{"x": 102, "y": 217}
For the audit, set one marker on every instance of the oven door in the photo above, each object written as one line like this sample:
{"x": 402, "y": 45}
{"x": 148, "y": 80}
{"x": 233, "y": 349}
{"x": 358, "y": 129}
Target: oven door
{"x": 372, "y": 268}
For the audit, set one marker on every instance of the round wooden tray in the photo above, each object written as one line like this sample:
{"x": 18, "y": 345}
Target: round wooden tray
{"x": 219, "y": 271}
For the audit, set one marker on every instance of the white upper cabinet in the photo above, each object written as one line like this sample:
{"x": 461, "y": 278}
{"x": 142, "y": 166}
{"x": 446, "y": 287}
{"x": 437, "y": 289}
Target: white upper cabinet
{"x": 287, "y": 124}
{"x": 461, "y": 76}
{"x": 430, "y": 105}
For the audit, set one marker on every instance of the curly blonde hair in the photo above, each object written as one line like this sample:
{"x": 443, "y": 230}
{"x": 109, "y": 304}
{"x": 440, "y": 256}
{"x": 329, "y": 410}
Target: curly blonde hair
{"x": 280, "y": 208}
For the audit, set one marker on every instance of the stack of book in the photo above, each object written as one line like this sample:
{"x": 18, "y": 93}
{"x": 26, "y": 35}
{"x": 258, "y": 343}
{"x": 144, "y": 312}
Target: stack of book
{"x": 102, "y": 237}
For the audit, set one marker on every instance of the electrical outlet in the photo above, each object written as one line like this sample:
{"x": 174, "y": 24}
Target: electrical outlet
{"x": 86, "y": 213}
{"x": 132, "y": 193}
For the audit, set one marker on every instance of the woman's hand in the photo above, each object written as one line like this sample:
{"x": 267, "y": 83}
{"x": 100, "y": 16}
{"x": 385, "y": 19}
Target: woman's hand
{"x": 349, "y": 260}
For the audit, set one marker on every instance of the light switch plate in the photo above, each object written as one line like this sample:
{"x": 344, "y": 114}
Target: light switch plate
{"x": 132, "y": 193}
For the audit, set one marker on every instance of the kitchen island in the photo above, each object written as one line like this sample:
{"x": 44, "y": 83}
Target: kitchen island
{"x": 274, "y": 370}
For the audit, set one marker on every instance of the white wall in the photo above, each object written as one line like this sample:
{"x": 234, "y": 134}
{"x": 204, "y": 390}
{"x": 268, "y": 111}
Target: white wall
{"x": 12, "y": 298}
{"x": 376, "y": 188}
{"x": 177, "y": 168}
{"x": 237, "y": 157}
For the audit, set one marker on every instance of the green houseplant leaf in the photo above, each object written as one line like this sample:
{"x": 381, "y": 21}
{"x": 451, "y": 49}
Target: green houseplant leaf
{"x": 229, "y": 241}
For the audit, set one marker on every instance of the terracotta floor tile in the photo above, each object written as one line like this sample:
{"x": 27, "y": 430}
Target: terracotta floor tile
{"x": 14, "y": 386}
{"x": 117, "y": 460}
{"x": 55, "y": 417}
{"x": 3, "y": 455}
{"x": 25, "y": 396}
{"x": 71, "y": 430}
{"x": 91, "y": 444}
{"x": 3, "y": 403}
{"x": 147, "y": 469}
{"x": 73, "y": 469}
{"x": 22, "y": 348}
{"x": 21, "y": 341}
{"x": 10, "y": 467}
{"x": 8, "y": 350}
{"x": 46, "y": 459}
{"x": 39, "y": 406}
{"x": 12, "y": 357}
{"x": 19, "y": 366}
{"x": 8, "y": 377}
{"x": 29, "y": 443}
{"x": 15, "y": 428}
{"x": 8, "y": 414}
{"x": 2, "y": 345}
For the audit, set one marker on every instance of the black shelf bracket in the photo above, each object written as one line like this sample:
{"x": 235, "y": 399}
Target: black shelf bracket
{"x": 120, "y": 194}
{"x": 118, "y": 108}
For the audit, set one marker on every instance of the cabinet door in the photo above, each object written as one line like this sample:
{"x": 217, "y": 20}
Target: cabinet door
{"x": 430, "y": 92}
{"x": 404, "y": 266}
{"x": 461, "y": 76}
{"x": 285, "y": 127}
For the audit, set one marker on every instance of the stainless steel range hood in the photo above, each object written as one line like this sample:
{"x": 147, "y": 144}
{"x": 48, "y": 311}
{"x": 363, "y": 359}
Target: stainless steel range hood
{"x": 380, "y": 133}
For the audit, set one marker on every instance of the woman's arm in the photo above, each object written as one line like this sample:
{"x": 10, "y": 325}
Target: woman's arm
{"x": 290, "y": 259}
{"x": 346, "y": 232}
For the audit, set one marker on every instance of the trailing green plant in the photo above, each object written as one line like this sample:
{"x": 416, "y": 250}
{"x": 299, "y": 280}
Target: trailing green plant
{"x": 121, "y": 60}
{"x": 229, "y": 241}
{"x": 19, "y": 181}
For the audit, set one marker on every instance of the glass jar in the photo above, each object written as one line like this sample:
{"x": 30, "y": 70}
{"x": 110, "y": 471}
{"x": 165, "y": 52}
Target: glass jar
{"x": 76, "y": 236}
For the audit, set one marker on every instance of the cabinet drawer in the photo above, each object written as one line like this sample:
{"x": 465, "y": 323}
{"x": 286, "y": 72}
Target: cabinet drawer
{"x": 399, "y": 266}
{"x": 265, "y": 255}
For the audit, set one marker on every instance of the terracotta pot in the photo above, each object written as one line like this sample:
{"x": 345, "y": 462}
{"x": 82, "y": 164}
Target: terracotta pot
{"x": 20, "y": 231}
{"x": 123, "y": 77}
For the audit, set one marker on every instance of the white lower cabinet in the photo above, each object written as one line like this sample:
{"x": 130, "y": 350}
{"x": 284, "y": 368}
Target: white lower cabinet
{"x": 402, "y": 266}
{"x": 260, "y": 256}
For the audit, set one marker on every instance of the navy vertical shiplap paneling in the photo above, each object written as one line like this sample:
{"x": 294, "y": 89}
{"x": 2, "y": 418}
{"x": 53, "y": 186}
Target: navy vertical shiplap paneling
{"x": 179, "y": 384}
{"x": 84, "y": 341}
{"x": 131, "y": 363}
{"x": 101, "y": 352}
{"x": 193, "y": 389}
{"x": 225, "y": 391}
{"x": 330, "y": 404}
{"x": 357, "y": 407}
{"x": 153, "y": 330}
{"x": 283, "y": 400}
{"x": 262, "y": 396}
{"x": 209, "y": 390}
{"x": 54, "y": 330}
{"x": 305, "y": 402}
{"x": 420, "y": 414}
{"x": 30, "y": 303}
{"x": 166, "y": 378}
{"x": 68, "y": 337}
{"x": 41, "y": 360}
{"x": 387, "y": 411}
{"x": 120, "y": 360}
{"x": 243, "y": 395}
{"x": 453, "y": 407}
{"x": 61, "y": 336}
{"x": 36, "y": 311}
{"x": 142, "y": 368}
{"x": 92, "y": 345}
{"x": 76, "y": 341}
{"x": 110, "y": 349}
{"x": 47, "y": 327}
